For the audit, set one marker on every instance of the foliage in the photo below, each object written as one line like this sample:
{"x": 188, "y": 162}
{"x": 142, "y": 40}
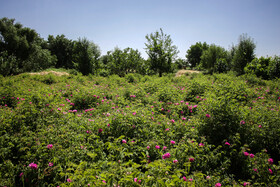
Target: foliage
{"x": 213, "y": 59}
{"x": 62, "y": 48}
{"x": 244, "y": 53}
{"x": 86, "y": 56}
{"x": 195, "y": 52}
{"x": 274, "y": 68}
{"x": 258, "y": 67}
{"x": 161, "y": 52}
{"x": 122, "y": 62}
{"x": 137, "y": 130}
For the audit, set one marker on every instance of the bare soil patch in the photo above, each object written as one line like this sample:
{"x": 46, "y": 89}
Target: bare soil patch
{"x": 53, "y": 72}
{"x": 183, "y": 72}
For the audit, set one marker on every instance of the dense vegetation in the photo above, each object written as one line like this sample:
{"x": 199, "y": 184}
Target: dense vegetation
{"x": 23, "y": 50}
{"x": 194, "y": 130}
{"x": 122, "y": 120}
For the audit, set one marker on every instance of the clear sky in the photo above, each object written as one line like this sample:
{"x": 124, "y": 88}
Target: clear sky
{"x": 125, "y": 23}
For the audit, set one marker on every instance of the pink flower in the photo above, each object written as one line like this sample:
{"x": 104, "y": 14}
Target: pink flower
{"x": 191, "y": 159}
{"x": 218, "y": 185}
{"x": 172, "y": 121}
{"x": 255, "y": 170}
{"x": 123, "y": 141}
{"x": 33, "y": 165}
{"x": 166, "y": 155}
{"x": 50, "y": 146}
{"x": 69, "y": 180}
{"x": 100, "y": 130}
{"x": 50, "y": 164}
{"x": 242, "y": 122}
{"x": 270, "y": 171}
{"x": 270, "y": 161}
{"x": 246, "y": 153}
{"x": 185, "y": 179}
{"x": 252, "y": 155}
{"x": 227, "y": 143}
{"x": 20, "y": 175}
{"x": 208, "y": 177}
{"x": 104, "y": 182}
{"x": 135, "y": 179}
{"x": 148, "y": 147}
{"x": 175, "y": 161}
{"x": 164, "y": 147}
{"x": 134, "y": 113}
{"x": 208, "y": 115}
{"x": 157, "y": 147}
{"x": 201, "y": 144}
{"x": 245, "y": 183}
{"x": 172, "y": 142}
{"x": 190, "y": 180}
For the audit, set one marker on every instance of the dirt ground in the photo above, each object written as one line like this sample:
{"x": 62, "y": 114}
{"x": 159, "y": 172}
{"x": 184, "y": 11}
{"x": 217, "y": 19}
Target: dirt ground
{"x": 183, "y": 72}
{"x": 53, "y": 72}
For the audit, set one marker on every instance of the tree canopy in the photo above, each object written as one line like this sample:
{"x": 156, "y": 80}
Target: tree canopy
{"x": 161, "y": 52}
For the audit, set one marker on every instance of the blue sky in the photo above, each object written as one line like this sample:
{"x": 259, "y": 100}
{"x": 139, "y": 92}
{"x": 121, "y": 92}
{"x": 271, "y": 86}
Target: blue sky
{"x": 125, "y": 23}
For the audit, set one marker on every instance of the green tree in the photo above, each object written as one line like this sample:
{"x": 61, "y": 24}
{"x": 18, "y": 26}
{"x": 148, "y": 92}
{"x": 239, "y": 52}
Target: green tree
{"x": 195, "y": 52}
{"x": 258, "y": 67}
{"x": 161, "y": 52}
{"x": 244, "y": 53}
{"x": 213, "y": 59}
{"x": 125, "y": 61}
{"x": 24, "y": 44}
{"x": 274, "y": 67}
{"x": 86, "y": 56}
{"x": 62, "y": 48}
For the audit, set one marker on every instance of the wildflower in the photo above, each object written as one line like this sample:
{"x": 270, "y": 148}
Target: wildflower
{"x": 252, "y": 155}
{"x": 157, "y": 147}
{"x": 190, "y": 180}
{"x": 218, "y": 185}
{"x": 270, "y": 171}
{"x": 185, "y": 179}
{"x": 173, "y": 121}
{"x": 164, "y": 147}
{"x": 227, "y": 143}
{"x": 135, "y": 179}
{"x": 208, "y": 177}
{"x": 100, "y": 130}
{"x": 242, "y": 122}
{"x": 191, "y": 159}
{"x": 208, "y": 115}
{"x": 255, "y": 170}
{"x": 166, "y": 155}
{"x": 104, "y": 181}
{"x": 69, "y": 180}
{"x": 50, "y": 146}
{"x": 20, "y": 175}
{"x": 172, "y": 142}
{"x": 270, "y": 161}
{"x": 33, "y": 165}
{"x": 50, "y": 164}
{"x": 175, "y": 161}
{"x": 123, "y": 141}
{"x": 201, "y": 144}
{"x": 245, "y": 183}
{"x": 246, "y": 153}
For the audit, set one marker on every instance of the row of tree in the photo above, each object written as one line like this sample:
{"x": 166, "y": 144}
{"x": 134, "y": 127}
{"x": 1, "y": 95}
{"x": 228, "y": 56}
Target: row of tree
{"x": 23, "y": 50}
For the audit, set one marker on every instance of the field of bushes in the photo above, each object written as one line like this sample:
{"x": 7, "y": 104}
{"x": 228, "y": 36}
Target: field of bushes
{"x": 139, "y": 130}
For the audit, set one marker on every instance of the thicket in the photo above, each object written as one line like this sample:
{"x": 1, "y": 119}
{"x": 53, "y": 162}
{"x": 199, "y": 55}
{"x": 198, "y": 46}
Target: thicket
{"x": 195, "y": 130}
